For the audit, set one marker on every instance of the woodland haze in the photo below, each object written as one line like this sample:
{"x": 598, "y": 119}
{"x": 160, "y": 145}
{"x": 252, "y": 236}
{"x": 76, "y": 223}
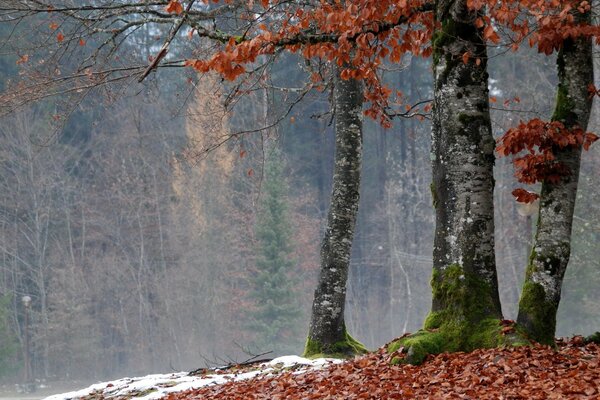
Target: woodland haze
{"x": 169, "y": 173}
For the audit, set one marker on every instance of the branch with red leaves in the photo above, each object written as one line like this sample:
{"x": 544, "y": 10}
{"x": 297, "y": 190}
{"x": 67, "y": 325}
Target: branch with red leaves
{"x": 540, "y": 140}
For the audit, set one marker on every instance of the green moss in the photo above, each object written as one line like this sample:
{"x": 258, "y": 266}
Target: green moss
{"x": 536, "y": 314}
{"x": 564, "y": 106}
{"x": 455, "y": 335}
{"x": 442, "y": 38}
{"x": 435, "y": 319}
{"x": 396, "y": 361}
{"x": 563, "y": 109}
{"x": 464, "y": 318}
{"x": 434, "y": 195}
{"x": 461, "y": 294}
{"x": 346, "y": 348}
{"x": 594, "y": 338}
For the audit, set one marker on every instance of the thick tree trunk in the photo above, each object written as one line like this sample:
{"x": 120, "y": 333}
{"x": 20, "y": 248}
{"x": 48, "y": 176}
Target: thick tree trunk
{"x": 466, "y": 309}
{"x": 552, "y": 245}
{"x": 327, "y": 332}
{"x": 463, "y": 180}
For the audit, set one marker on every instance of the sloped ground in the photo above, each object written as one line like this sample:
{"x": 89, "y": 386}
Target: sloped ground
{"x": 572, "y": 371}
{"x": 158, "y": 386}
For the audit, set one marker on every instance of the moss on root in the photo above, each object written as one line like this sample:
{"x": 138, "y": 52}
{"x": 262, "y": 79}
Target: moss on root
{"x": 466, "y": 321}
{"x": 349, "y": 347}
{"x": 454, "y": 336}
{"x": 461, "y": 295}
{"x": 536, "y": 314}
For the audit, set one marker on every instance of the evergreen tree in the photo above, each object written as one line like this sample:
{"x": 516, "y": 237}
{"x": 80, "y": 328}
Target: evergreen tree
{"x": 275, "y": 317}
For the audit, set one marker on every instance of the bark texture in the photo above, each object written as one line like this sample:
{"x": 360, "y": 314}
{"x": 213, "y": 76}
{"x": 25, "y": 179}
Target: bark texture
{"x": 466, "y": 309}
{"x": 541, "y": 292}
{"x": 463, "y": 181}
{"x": 327, "y": 332}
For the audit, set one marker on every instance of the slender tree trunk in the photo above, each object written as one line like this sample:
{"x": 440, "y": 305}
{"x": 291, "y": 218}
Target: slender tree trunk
{"x": 327, "y": 332}
{"x": 552, "y": 244}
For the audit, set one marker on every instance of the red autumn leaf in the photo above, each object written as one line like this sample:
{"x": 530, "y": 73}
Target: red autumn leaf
{"x": 523, "y": 196}
{"x": 590, "y": 138}
{"x": 60, "y": 37}
{"x": 23, "y": 59}
{"x": 465, "y": 57}
{"x": 174, "y": 7}
{"x": 53, "y": 26}
{"x": 489, "y": 33}
{"x": 507, "y": 329}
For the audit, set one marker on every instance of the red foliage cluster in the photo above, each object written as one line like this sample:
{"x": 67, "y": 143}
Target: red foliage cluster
{"x": 537, "y": 372}
{"x": 545, "y": 23}
{"x": 541, "y": 140}
{"x": 363, "y": 34}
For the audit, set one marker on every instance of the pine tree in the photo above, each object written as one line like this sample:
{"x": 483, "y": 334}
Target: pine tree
{"x": 276, "y": 315}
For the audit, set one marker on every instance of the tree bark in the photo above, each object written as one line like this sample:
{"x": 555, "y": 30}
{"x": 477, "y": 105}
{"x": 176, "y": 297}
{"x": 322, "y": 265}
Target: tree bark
{"x": 466, "y": 311}
{"x": 462, "y": 161}
{"x": 549, "y": 257}
{"x": 327, "y": 332}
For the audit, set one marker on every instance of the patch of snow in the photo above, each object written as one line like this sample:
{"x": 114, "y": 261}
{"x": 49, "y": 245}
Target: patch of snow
{"x": 155, "y": 386}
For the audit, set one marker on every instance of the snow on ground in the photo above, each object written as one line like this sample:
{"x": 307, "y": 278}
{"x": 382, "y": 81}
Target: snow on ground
{"x": 156, "y": 386}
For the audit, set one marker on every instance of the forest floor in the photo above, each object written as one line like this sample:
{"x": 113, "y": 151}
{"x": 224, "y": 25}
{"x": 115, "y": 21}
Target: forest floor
{"x": 569, "y": 371}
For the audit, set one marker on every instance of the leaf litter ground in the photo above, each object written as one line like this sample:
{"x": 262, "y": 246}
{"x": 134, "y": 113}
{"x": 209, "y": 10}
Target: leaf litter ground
{"x": 570, "y": 371}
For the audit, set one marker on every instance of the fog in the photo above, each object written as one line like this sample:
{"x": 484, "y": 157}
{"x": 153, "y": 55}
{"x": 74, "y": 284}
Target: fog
{"x": 138, "y": 249}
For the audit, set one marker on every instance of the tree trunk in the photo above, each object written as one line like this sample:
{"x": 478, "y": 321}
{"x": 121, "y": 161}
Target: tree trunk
{"x": 552, "y": 244}
{"x": 327, "y": 332}
{"x": 466, "y": 309}
{"x": 463, "y": 180}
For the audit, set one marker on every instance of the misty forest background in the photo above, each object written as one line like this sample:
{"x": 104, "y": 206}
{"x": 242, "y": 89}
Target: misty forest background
{"x": 143, "y": 255}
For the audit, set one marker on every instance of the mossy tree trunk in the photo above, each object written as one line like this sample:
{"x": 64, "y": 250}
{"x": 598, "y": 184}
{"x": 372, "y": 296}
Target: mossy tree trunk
{"x": 466, "y": 309}
{"x": 552, "y": 244}
{"x": 464, "y": 279}
{"x": 327, "y": 333}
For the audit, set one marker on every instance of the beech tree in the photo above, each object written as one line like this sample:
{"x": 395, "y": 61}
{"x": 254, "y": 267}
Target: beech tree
{"x": 466, "y": 305}
{"x": 541, "y": 291}
{"x": 556, "y": 164}
{"x": 358, "y": 38}
{"x": 327, "y": 332}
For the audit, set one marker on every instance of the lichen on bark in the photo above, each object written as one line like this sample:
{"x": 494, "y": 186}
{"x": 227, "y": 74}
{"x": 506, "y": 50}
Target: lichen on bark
{"x": 466, "y": 311}
{"x": 327, "y": 332}
{"x": 547, "y": 265}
